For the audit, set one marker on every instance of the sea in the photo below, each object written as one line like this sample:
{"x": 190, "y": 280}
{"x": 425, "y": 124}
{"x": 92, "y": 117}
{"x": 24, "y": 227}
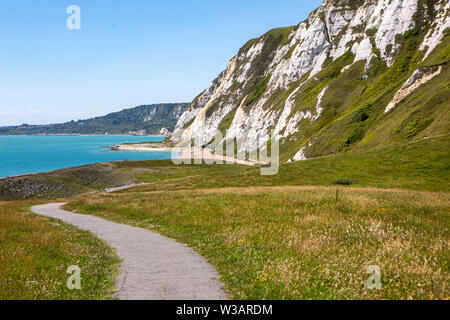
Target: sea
{"x": 32, "y": 154}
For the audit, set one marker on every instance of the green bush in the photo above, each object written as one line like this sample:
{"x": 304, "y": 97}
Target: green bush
{"x": 345, "y": 182}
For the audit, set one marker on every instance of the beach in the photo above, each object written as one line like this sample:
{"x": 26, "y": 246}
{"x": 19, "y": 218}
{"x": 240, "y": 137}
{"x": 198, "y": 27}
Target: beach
{"x": 185, "y": 153}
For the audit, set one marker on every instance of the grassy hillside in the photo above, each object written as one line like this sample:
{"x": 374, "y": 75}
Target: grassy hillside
{"x": 418, "y": 165}
{"x": 354, "y": 107}
{"x": 151, "y": 118}
{"x": 35, "y": 253}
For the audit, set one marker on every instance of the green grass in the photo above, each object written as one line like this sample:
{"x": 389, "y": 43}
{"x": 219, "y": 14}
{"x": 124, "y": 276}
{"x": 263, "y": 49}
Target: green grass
{"x": 287, "y": 237}
{"x": 300, "y": 242}
{"x": 419, "y": 165}
{"x": 260, "y": 88}
{"x": 225, "y": 124}
{"x": 35, "y": 253}
{"x": 423, "y": 113}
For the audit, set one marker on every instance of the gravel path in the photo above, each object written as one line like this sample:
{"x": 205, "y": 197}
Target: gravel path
{"x": 124, "y": 187}
{"x": 154, "y": 267}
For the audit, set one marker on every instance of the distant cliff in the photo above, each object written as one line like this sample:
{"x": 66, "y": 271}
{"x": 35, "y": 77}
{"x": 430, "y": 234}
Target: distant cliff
{"x": 147, "y": 119}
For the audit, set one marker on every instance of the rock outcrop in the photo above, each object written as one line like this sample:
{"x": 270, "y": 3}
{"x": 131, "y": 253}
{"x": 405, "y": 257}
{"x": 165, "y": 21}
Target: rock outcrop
{"x": 419, "y": 77}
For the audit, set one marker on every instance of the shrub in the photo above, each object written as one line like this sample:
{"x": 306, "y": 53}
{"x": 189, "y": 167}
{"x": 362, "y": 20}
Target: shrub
{"x": 345, "y": 182}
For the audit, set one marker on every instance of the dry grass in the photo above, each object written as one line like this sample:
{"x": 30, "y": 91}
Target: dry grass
{"x": 300, "y": 242}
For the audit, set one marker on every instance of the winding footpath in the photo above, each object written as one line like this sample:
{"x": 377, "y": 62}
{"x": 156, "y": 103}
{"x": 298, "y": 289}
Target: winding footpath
{"x": 153, "y": 267}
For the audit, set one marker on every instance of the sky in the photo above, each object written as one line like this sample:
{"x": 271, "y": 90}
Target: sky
{"x": 126, "y": 53}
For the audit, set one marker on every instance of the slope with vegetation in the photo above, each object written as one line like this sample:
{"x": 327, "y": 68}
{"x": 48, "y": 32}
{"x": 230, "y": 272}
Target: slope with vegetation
{"x": 151, "y": 118}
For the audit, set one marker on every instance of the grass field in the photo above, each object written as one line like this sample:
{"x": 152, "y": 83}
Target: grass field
{"x": 35, "y": 253}
{"x": 302, "y": 242}
{"x": 299, "y": 234}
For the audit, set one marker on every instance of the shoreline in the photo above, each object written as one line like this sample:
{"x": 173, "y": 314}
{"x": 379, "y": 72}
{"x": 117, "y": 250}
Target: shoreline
{"x": 69, "y": 166}
{"x": 184, "y": 153}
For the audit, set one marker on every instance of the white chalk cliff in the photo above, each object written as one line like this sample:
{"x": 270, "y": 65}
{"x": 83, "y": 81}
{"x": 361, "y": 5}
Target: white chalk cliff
{"x": 279, "y": 82}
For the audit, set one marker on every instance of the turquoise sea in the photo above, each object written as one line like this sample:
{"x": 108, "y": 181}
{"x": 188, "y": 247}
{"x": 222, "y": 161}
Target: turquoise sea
{"x": 31, "y": 154}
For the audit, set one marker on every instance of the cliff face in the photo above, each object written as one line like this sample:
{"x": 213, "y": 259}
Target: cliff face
{"x": 323, "y": 86}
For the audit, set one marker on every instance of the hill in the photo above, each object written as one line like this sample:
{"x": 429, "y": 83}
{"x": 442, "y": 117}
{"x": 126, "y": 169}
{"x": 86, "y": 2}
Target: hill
{"x": 151, "y": 118}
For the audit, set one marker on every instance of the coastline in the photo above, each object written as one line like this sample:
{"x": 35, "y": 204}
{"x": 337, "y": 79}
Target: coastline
{"x": 151, "y": 147}
{"x": 184, "y": 153}
{"x": 22, "y": 156}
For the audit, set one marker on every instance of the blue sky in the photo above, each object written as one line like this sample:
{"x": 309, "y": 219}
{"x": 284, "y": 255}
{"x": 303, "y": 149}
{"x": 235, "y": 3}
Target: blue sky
{"x": 127, "y": 53}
